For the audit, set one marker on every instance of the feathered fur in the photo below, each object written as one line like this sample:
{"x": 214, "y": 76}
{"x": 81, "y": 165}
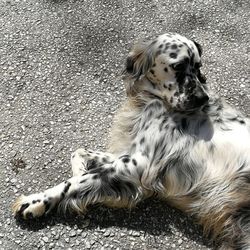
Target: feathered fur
{"x": 171, "y": 137}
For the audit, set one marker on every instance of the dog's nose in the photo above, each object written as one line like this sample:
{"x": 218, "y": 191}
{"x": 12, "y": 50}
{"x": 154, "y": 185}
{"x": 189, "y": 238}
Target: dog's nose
{"x": 201, "y": 100}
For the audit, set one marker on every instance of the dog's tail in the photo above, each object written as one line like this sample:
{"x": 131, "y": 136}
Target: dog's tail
{"x": 238, "y": 233}
{"x": 222, "y": 206}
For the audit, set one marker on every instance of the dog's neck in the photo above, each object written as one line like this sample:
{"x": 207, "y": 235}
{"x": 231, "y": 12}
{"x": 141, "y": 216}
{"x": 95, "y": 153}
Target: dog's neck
{"x": 144, "y": 84}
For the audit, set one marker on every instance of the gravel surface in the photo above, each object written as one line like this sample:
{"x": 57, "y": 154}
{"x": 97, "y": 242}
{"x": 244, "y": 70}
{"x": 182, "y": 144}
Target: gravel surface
{"x": 60, "y": 64}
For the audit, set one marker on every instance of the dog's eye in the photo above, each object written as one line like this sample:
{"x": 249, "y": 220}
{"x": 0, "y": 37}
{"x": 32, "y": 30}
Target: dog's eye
{"x": 180, "y": 66}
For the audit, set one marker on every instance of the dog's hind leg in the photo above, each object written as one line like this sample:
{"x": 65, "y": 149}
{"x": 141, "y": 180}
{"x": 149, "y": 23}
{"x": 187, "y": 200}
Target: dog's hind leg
{"x": 115, "y": 184}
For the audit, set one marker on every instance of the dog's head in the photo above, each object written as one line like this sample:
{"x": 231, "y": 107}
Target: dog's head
{"x": 171, "y": 63}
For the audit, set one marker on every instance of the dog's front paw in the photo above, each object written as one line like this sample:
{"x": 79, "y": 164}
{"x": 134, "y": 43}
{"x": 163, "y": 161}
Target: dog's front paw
{"x": 32, "y": 206}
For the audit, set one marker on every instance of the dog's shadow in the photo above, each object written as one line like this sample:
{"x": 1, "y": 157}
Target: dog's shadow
{"x": 154, "y": 217}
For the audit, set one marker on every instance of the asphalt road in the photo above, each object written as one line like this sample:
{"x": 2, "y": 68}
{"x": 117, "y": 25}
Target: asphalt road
{"x": 60, "y": 64}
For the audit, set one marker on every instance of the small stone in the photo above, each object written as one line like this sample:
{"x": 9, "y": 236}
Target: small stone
{"x": 72, "y": 234}
{"x": 136, "y": 234}
{"x": 17, "y": 242}
{"x": 107, "y": 233}
{"x": 51, "y": 245}
{"x": 45, "y": 239}
{"x": 87, "y": 244}
{"x": 180, "y": 241}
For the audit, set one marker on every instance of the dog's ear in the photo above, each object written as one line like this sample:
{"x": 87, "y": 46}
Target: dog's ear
{"x": 139, "y": 60}
{"x": 200, "y": 76}
{"x": 199, "y": 48}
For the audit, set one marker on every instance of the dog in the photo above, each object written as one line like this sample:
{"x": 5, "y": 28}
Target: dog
{"x": 173, "y": 138}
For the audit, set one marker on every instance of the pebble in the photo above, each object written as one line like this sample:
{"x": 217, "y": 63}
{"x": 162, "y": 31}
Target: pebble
{"x": 45, "y": 239}
{"x": 72, "y": 234}
{"x": 180, "y": 241}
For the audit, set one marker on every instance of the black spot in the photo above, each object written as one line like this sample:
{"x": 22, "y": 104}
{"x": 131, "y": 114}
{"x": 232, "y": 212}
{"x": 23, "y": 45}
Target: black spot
{"x": 91, "y": 164}
{"x": 174, "y": 46}
{"x": 166, "y": 48}
{"x": 96, "y": 176}
{"x": 73, "y": 156}
{"x": 166, "y": 69}
{"x": 171, "y": 99}
{"x": 134, "y": 162}
{"x": 36, "y": 201}
{"x": 66, "y": 188}
{"x": 23, "y": 207}
{"x": 126, "y": 159}
{"x": 166, "y": 127}
{"x": 219, "y": 120}
{"x": 158, "y": 53}
{"x": 184, "y": 123}
{"x": 173, "y": 55}
{"x": 154, "y": 65}
{"x": 242, "y": 122}
{"x": 150, "y": 114}
{"x": 180, "y": 45}
{"x": 104, "y": 160}
{"x": 142, "y": 140}
{"x": 160, "y": 46}
{"x": 29, "y": 215}
{"x": 152, "y": 71}
{"x": 111, "y": 170}
{"x": 47, "y": 205}
{"x": 158, "y": 117}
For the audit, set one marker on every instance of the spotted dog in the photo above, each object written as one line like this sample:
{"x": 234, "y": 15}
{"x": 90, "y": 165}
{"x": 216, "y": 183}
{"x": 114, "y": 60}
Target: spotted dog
{"x": 172, "y": 137}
